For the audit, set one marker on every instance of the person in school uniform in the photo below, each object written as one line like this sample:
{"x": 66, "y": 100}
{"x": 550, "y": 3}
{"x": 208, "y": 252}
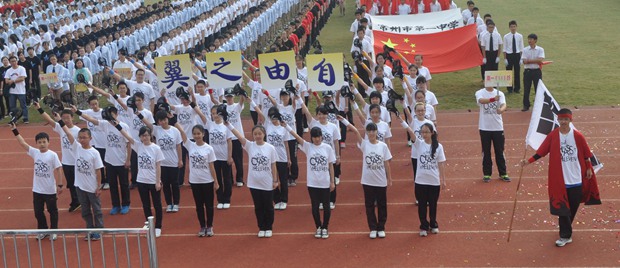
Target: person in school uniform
{"x": 492, "y": 104}
{"x": 513, "y": 47}
{"x": 532, "y": 59}
{"x": 403, "y": 8}
{"x": 491, "y": 44}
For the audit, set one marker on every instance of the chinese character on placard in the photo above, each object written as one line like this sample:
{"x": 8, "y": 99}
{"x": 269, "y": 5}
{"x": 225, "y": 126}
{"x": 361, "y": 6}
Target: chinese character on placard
{"x": 453, "y": 24}
{"x": 278, "y": 71}
{"x": 407, "y": 28}
{"x": 221, "y": 65}
{"x": 173, "y": 74}
{"x": 419, "y": 28}
{"x": 325, "y": 70}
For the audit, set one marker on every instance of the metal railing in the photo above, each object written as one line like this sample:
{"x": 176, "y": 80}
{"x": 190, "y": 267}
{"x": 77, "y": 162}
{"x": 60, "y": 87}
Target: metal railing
{"x": 99, "y": 253}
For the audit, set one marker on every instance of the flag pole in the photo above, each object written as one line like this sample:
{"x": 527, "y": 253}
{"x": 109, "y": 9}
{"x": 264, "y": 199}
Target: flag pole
{"x": 514, "y": 205}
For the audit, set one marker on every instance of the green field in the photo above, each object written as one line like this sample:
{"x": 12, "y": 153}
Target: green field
{"x": 574, "y": 34}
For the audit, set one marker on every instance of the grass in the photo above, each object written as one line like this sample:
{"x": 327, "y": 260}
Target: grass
{"x": 576, "y": 36}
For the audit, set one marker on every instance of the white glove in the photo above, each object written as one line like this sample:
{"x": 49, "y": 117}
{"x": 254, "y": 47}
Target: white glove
{"x": 497, "y": 60}
{"x": 521, "y": 62}
{"x": 484, "y": 61}
{"x": 506, "y": 62}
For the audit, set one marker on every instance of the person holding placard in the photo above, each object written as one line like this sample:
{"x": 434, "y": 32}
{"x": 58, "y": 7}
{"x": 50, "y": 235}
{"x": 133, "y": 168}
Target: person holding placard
{"x": 492, "y": 104}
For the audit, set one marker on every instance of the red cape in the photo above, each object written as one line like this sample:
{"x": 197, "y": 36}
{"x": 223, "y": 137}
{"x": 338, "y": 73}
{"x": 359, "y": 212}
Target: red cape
{"x": 557, "y": 189}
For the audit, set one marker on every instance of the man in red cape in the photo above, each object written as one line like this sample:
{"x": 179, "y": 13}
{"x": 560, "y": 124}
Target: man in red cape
{"x": 571, "y": 176}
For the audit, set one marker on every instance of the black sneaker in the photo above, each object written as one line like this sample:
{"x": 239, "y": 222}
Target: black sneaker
{"x": 74, "y": 208}
{"x": 486, "y": 179}
{"x": 505, "y": 178}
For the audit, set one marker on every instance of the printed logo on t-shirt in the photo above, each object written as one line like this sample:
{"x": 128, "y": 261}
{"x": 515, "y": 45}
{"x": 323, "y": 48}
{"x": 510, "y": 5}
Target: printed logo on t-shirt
{"x": 166, "y": 143}
{"x": 65, "y": 143}
{"x": 91, "y": 126}
{"x": 568, "y": 152}
{"x": 233, "y": 117}
{"x": 426, "y": 161}
{"x": 327, "y": 138}
{"x": 217, "y": 137}
{"x": 260, "y": 163}
{"x": 204, "y": 107}
{"x": 171, "y": 95}
{"x": 198, "y": 161}
{"x": 288, "y": 118}
{"x": 380, "y": 136}
{"x": 185, "y": 118}
{"x": 137, "y": 123}
{"x": 490, "y": 108}
{"x": 318, "y": 163}
{"x": 145, "y": 161}
{"x": 267, "y": 104}
{"x": 41, "y": 169}
{"x": 374, "y": 161}
{"x": 332, "y": 118}
{"x": 83, "y": 166}
{"x": 114, "y": 141}
{"x": 275, "y": 140}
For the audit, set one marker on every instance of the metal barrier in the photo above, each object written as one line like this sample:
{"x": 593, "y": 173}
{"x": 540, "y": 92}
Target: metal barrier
{"x": 73, "y": 257}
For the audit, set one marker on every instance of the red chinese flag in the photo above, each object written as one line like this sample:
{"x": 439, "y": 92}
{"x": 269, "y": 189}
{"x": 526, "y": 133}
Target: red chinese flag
{"x": 447, "y": 51}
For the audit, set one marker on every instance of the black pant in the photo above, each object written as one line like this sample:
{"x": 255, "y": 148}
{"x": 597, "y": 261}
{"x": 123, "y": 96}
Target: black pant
{"x": 427, "y": 195}
{"x": 378, "y": 195}
{"x": 7, "y": 110}
{"x": 304, "y": 119}
{"x": 320, "y": 196}
{"x": 36, "y": 86}
{"x": 299, "y": 122}
{"x": 117, "y": 176}
{"x": 203, "y": 197}
{"x": 170, "y": 183}
{"x": 224, "y": 179}
{"x": 148, "y": 192}
{"x": 39, "y": 201}
{"x": 263, "y": 208}
{"x": 70, "y": 177}
{"x": 134, "y": 167}
{"x": 491, "y": 65}
{"x": 254, "y": 116}
{"x": 574, "y": 198}
{"x": 292, "y": 151}
{"x": 280, "y": 194}
{"x": 337, "y": 173}
{"x": 101, "y": 151}
{"x": 407, "y": 120}
{"x": 237, "y": 154}
{"x": 513, "y": 64}
{"x": 184, "y": 155}
{"x": 414, "y": 164}
{"x": 343, "y": 128}
{"x": 529, "y": 76}
{"x": 497, "y": 138}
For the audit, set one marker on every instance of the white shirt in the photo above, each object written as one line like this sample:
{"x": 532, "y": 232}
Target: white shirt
{"x": 427, "y": 172}
{"x": 168, "y": 139}
{"x": 115, "y": 143}
{"x": 288, "y": 116}
{"x": 87, "y": 163}
{"x": 318, "y": 159}
{"x": 234, "y": 116}
{"x": 570, "y": 159}
{"x": 14, "y": 74}
{"x": 485, "y": 40}
{"x": 383, "y": 131}
{"x": 148, "y": 156}
{"x": 477, "y": 21}
{"x": 508, "y": 42}
{"x": 143, "y": 87}
{"x": 186, "y": 117}
{"x": 43, "y": 180}
{"x": 423, "y": 71}
{"x": 219, "y": 135}
{"x": 489, "y": 119}
{"x": 260, "y": 160}
{"x": 530, "y": 53}
{"x": 430, "y": 98}
{"x": 435, "y": 7}
{"x": 385, "y": 114}
{"x": 416, "y": 125}
{"x": 136, "y": 123}
{"x": 200, "y": 159}
{"x": 373, "y": 163}
{"x": 277, "y": 136}
{"x": 97, "y": 132}
{"x": 67, "y": 151}
{"x": 256, "y": 93}
{"x": 330, "y": 131}
{"x": 404, "y": 9}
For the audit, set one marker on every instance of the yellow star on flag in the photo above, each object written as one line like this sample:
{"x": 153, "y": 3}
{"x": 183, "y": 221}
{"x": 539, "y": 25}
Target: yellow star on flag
{"x": 412, "y": 45}
{"x": 406, "y": 40}
{"x": 413, "y": 51}
{"x": 406, "y": 52}
{"x": 389, "y": 43}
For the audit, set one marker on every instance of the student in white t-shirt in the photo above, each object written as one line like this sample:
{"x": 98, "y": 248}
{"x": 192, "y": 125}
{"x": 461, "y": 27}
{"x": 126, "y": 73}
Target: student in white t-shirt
{"x": 384, "y": 134}
{"x": 262, "y": 177}
{"x": 149, "y": 159}
{"x": 376, "y": 177}
{"x": 201, "y": 177}
{"x": 320, "y": 160}
{"x": 220, "y": 138}
{"x": 430, "y": 176}
{"x": 87, "y": 177}
{"x": 45, "y": 180}
{"x": 416, "y": 121}
{"x": 234, "y": 117}
{"x": 491, "y": 125}
{"x": 403, "y": 8}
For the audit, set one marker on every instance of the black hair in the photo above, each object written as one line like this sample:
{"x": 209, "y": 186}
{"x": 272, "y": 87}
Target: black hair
{"x": 475, "y": 9}
{"x": 91, "y": 98}
{"x": 512, "y": 22}
{"x": 161, "y": 115}
{"x": 69, "y": 112}
{"x": 316, "y": 132}
{"x": 374, "y": 106}
{"x": 375, "y": 94}
{"x": 420, "y": 80}
{"x": 470, "y": 2}
{"x": 565, "y": 111}
{"x": 140, "y": 69}
{"x": 371, "y": 127}
{"x": 487, "y": 16}
{"x": 138, "y": 95}
{"x": 262, "y": 129}
{"x": 490, "y": 22}
{"x": 321, "y": 109}
{"x": 199, "y": 127}
{"x": 42, "y": 135}
{"x": 202, "y": 82}
{"x": 145, "y": 129}
{"x": 434, "y": 141}
{"x": 532, "y": 36}
{"x": 87, "y": 131}
{"x": 378, "y": 80}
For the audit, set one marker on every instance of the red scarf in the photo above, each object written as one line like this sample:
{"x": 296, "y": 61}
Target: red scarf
{"x": 558, "y": 199}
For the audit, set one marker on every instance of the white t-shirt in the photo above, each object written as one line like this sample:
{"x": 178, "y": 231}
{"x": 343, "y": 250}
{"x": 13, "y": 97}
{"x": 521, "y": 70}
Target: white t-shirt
{"x": 570, "y": 159}
{"x": 234, "y": 116}
{"x": 200, "y": 158}
{"x": 318, "y": 159}
{"x": 256, "y": 92}
{"x": 87, "y": 163}
{"x": 330, "y": 131}
{"x": 277, "y": 136}
{"x": 14, "y": 74}
{"x": 143, "y": 87}
{"x": 43, "y": 180}
{"x": 385, "y": 114}
{"x": 98, "y": 133}
{"x": 431, "y": 98}
{"x": 123, "y": 116}
{"x": 136, "y": 124}
{"x": 489, "y": 119}
{"x": 288, "y": 116}
{"x": 67, "y": 151}
{"x": 427, "y": 172}
{"x": 415, "y": 125}
{"x": 115, "y": 143}
{"x": 373, "y": 165}
{"x": 383, "y": 131}
{"x": 148, "y": 156}
{"x": 205, "y": 104}
{"x": 260, "y": 159}
{"x": 219, "y": 135}
{"x": 186, "y": 117}
{"x": 168, "y": 139}
{"x": 404, "y": 9}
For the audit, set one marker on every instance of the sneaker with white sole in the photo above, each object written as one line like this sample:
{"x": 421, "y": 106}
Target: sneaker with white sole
{"x": 282, "y": 206}
{"x": 226, "y": 205}
{"x": 202, "y": 232}
{"x": 332, "y": 205}
{"x": 277, "y": 206}
{"x": 381, "y": 234}
{"x": 157, "y": 232}
{"x": 268, "y": 233}
{"x": 168, "y": 208}
{"x": 306, "y": 130}
{"x": 435, "y": 230}
{"x": 337, "y": 180}
{"x": 423, "y": 233}
{"x": 175, "y": 208}
{"x": 293, "y": 183}
{"x": 106, "y": 186}
{"x": 343, "y": 145}
{"x": 239, "y": 184}
{"x": 220, "y": 206}
{"x": 321, "y": 206}
{"x": 210, "y": 232}
{"x": 318, "y": 233}
{"x": 324, "y": 233}
{"x": 373, "y": 234}
{"x": 261, "y": 234}
{"x": 563, "y": 241}
{"x": 409, "y": 144}
{"x": 53, "y": 237}
{"x": 42, "y": 236}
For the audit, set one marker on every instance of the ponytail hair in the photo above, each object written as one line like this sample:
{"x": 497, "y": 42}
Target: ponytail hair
{"x": 434, "y": 141}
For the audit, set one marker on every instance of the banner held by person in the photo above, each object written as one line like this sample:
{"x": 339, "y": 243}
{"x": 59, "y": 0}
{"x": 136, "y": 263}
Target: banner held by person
{"x": 498, "y": 78}
{"x": 447, "y": 51}
{"x": 419, "y": 23}
{"x": 276, "y": 68}
{"x": 50, "y": 78}
{"x": 325, "y": 72}
{"x": 224, "y": 69}
{"x": 174, "y": 71}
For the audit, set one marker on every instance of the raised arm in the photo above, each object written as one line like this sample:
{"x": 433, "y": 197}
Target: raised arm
{"x": 100, "y": 91}
{"x": 19, "y": 137}
{"x": 183, "y": 135}
{"x": 44, "y": 115}
{"x": 352, "y": 128}
{"x": 305, "y": 110}
{"x": 84, "y": 116}
{"x": 237, "y": 134}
